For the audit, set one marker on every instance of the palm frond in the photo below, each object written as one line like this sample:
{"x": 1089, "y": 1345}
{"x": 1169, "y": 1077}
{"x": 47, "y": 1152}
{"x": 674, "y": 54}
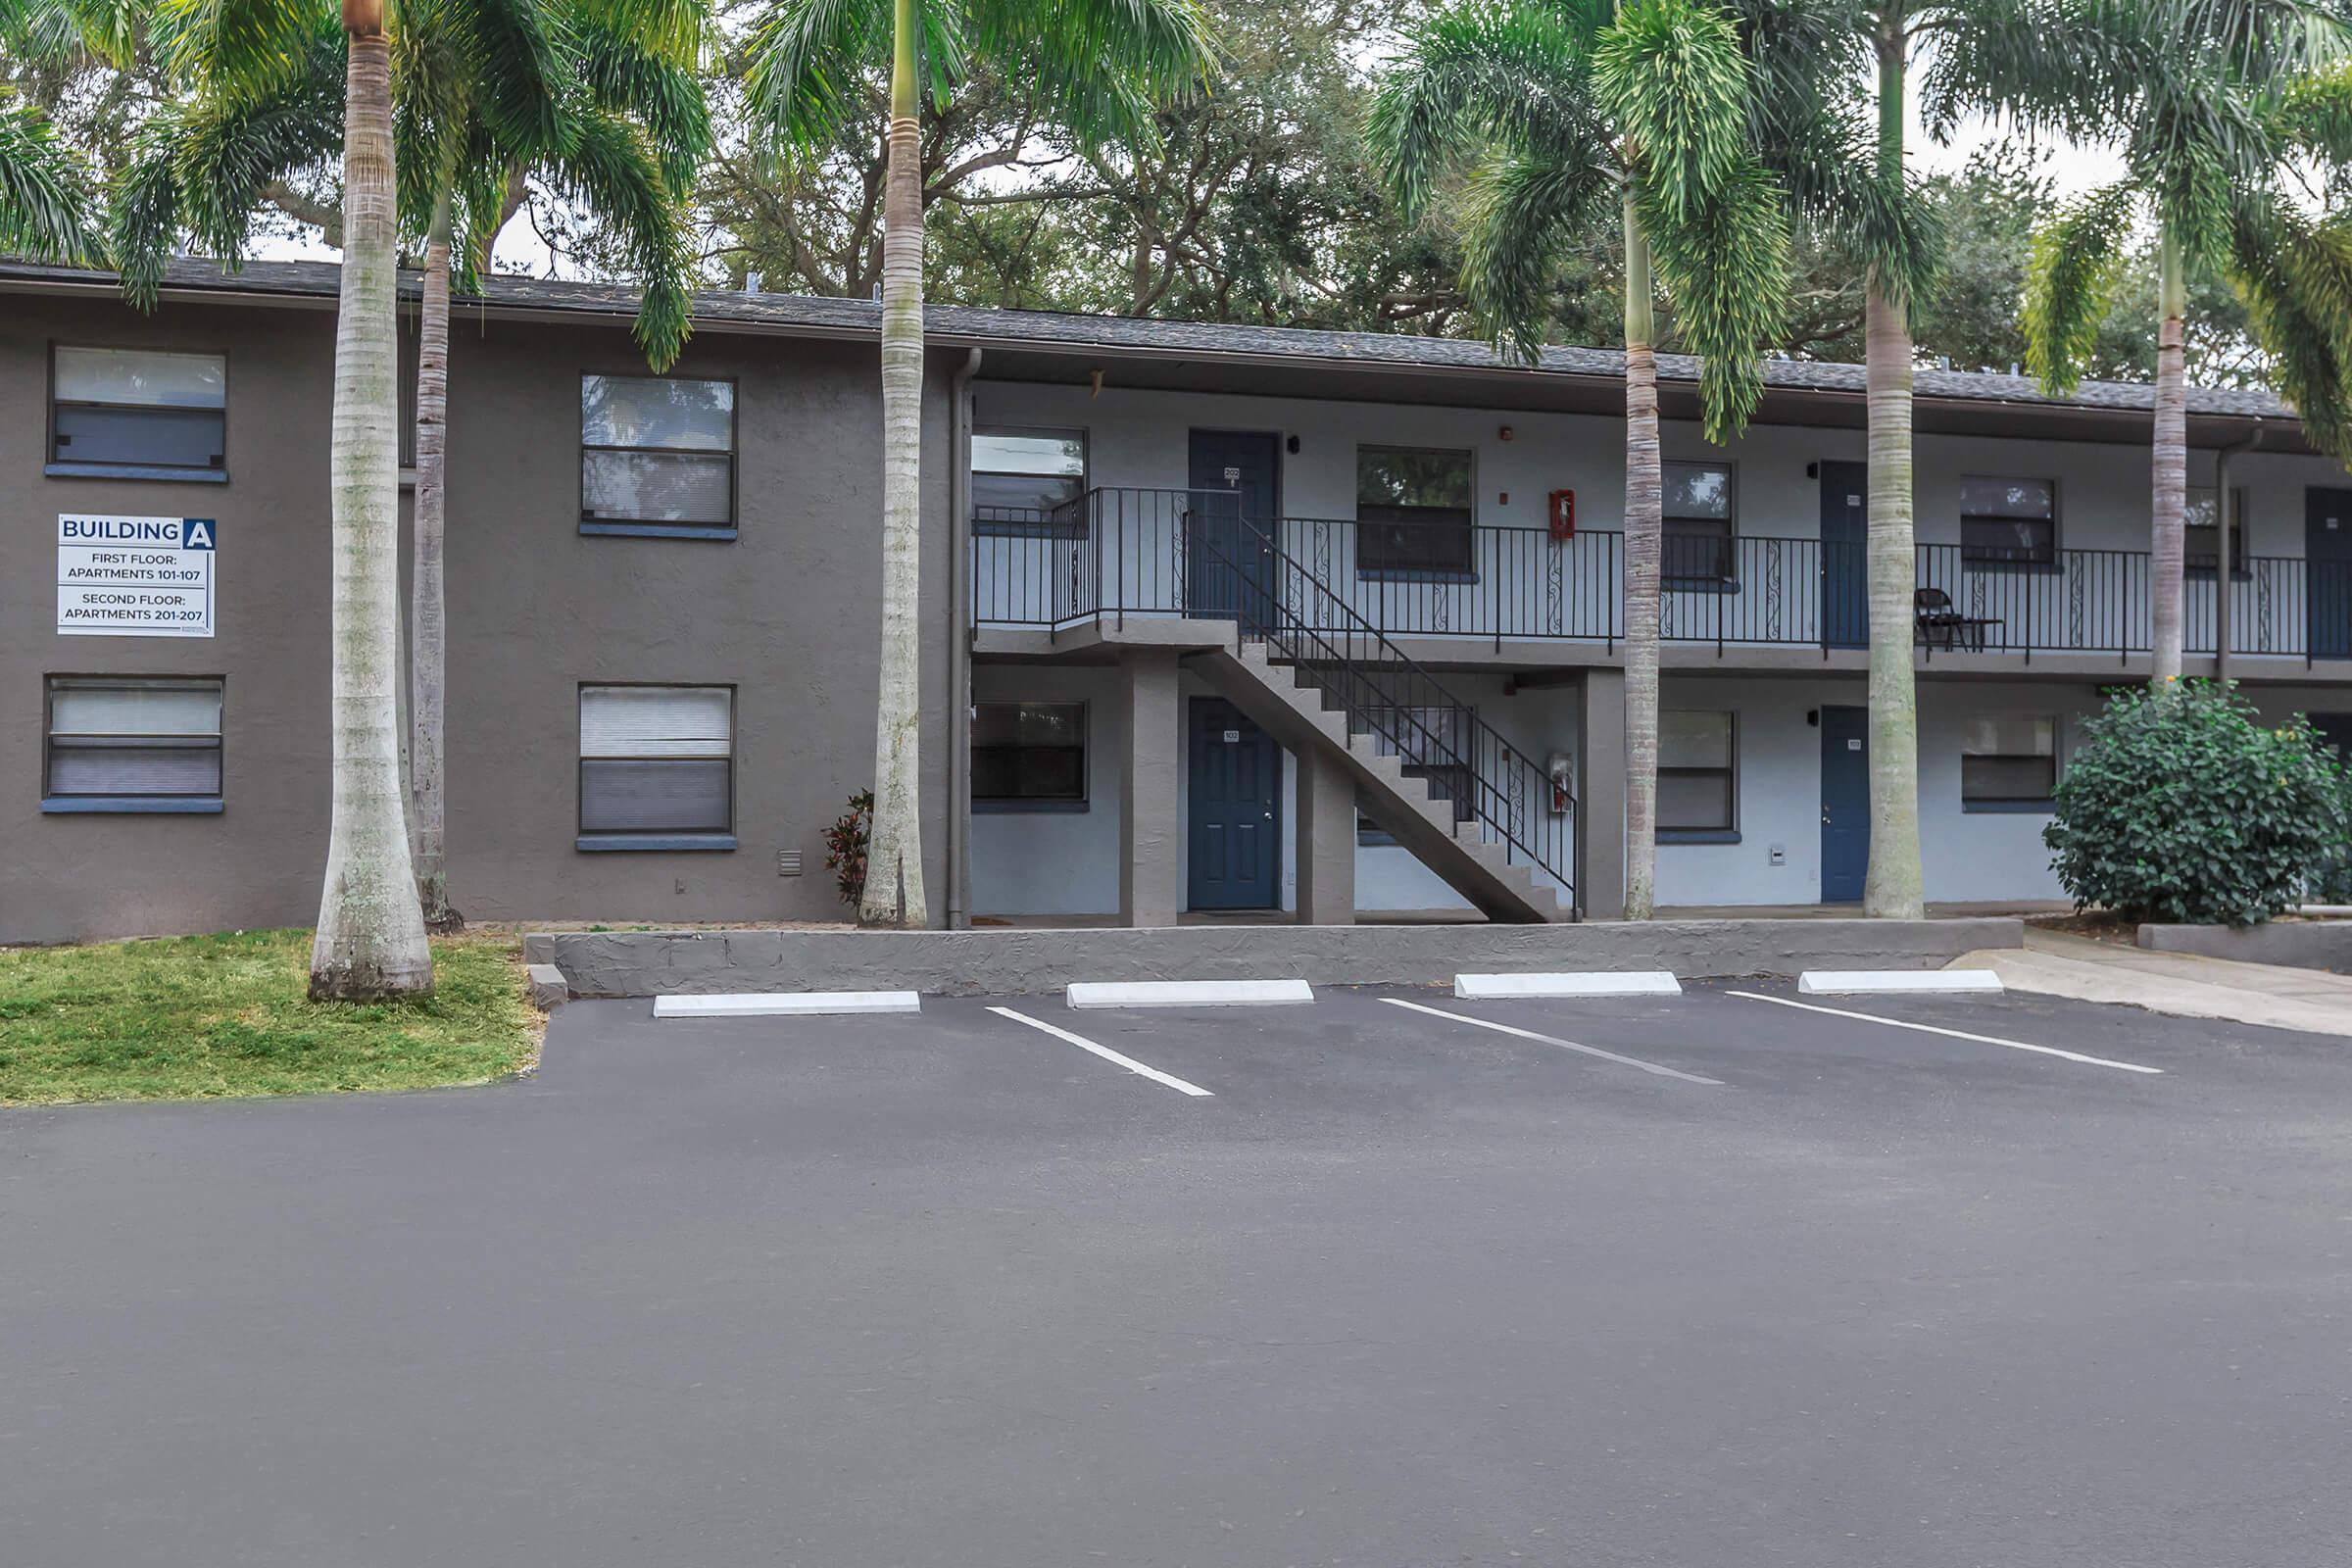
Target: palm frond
{"x": 1723, "y": 261}
{"x": 636, "y": 77}
{"x": 234, "y": 47}
{"x": 1521, "y": 214}
{"x": 1100, "y": 66}
{"x": 142, "y": 221}
{"x": 1670, "y": 75}
{"x": 47, "y": 210}
{"x": 612, "y": 169}
{"x": 1515, "y": 77}
{"x": 2315, "y": 113}
{"x": 2071, "y": 277}
{"x": 810, "y": 62}
{"x": 515, "y": 50}
{"x": 2295, "y": 277}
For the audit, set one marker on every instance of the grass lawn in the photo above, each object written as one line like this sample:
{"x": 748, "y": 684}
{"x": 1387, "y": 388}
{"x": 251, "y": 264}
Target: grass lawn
{"x": 185, "y": 1017}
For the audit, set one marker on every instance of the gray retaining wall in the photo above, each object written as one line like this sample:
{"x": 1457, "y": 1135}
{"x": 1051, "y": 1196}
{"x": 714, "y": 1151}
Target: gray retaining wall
{"x": 2296, "y": 943}
{"x": 1011, "y": 962}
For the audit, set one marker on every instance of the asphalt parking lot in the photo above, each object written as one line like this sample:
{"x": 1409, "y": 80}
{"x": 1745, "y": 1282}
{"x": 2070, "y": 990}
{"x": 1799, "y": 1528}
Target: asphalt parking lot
{"x": 1678, "y": 1282}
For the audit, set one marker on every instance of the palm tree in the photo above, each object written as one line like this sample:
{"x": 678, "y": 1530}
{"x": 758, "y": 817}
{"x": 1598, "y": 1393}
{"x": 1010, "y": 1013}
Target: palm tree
{"x": 1844, "y": 159}
{"x": 371, "y": 941}
{"x": 601, "y": 101}
{"x": 1096, "y": 67}
{"x": 2216, "y": 108}
{"x": 1571, "y": 114}
{"x": 48, "y": 207}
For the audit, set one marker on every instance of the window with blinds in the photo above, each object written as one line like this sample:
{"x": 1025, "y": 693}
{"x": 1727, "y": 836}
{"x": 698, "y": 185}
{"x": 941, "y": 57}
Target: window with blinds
{"x": 1696, "y": 519}
{"x": 657, "y": 762}
{"x": 145, "y": 742}
{"x": 2008, "y": 763}
{"x": 1698, "y": 773}
{"x": 162, "y": 413}
{"x": 657, "y": 452}
{"x": 2008, "y": 521}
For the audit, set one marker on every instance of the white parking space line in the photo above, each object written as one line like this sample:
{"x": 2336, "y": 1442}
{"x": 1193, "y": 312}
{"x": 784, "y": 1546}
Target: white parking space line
{"x": 1956, "y": 1034}
{"x": 1555, "y": 1040}
{"x": 1105, "y": 1051}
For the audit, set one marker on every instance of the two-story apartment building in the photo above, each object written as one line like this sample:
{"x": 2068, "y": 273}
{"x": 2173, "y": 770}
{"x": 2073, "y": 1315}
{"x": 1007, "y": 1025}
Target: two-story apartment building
{"x": 1226, "y": 621}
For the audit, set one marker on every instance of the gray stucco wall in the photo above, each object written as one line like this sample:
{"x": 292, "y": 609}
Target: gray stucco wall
{"x": 788, "y": 613}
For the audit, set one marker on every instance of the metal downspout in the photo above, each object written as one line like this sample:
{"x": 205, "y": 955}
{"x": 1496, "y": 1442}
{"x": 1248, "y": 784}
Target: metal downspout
{"x": 959, "y": 642}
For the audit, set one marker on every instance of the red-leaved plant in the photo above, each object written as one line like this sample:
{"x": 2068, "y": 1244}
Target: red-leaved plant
{"x": 844, "y": 847}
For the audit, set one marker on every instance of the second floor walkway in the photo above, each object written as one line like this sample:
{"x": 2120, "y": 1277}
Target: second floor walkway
{"x": 1121, "y": 554}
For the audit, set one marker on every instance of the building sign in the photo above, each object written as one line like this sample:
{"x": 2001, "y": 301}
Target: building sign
{"x": 134, "y": 576}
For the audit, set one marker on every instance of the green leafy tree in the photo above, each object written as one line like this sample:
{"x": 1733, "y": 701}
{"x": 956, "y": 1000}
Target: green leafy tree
{"x": 1092, "y": 67}
{"x": 2181, "y": 806}
{"x": 2217, "y": 106}
{"x": 1562, "y": 114}
{"x": 597, "y": 99}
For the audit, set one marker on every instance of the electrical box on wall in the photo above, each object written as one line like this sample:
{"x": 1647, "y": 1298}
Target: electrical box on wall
{"x": 1778, "y": 855}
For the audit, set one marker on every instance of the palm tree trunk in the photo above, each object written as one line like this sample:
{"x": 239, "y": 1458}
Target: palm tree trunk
{"x": 1892, "y": 888}
{"x": 2171, "y": 471}
{"x": 894, "y": 867}
{"x": 428, "y": 630}
{"x": 371, "y": 941}
{"x": 1642, "y": 529}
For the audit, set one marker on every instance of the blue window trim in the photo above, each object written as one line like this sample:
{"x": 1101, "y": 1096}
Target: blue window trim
{"x": 2009, "y": 807}
{"x": 655, "y": 530}
{"x": 135, "y": 471}
{"x": 130, "y": 804}
{"x": 1021, "y": 807}
{"x": 644, "y": 843}
{"x": 1698, "y": 835}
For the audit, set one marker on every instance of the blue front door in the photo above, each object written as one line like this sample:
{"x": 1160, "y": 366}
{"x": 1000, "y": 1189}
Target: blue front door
{"x": 1234, "y": 479}
{"x": 2328, "y": 559}
{"x": 1844, "y": 803}
{"x": 1844, "y": 551}
{"x": 1234, "y": 830}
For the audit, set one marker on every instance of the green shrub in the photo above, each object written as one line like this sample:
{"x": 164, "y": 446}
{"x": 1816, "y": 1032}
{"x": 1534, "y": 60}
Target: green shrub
{"x": 2181, "y": 806}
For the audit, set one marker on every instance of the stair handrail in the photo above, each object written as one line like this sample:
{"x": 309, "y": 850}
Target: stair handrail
{"x": 1539, "y": 779}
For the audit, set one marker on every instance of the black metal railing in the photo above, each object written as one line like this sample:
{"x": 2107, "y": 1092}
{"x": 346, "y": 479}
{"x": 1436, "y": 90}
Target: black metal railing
{"x": 1123, "y": 552}
{"x": 1381, "y": 690}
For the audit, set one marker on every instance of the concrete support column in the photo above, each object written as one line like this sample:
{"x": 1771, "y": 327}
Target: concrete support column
{"x": 1600, "y": 796}
{"x": 1325, "y": 841}
{"x": 1150, "y": 866}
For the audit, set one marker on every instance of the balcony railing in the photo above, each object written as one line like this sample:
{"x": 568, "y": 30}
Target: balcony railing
{"x": 1121, "y": 553}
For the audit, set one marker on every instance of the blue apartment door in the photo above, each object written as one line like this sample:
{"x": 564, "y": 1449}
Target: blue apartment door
{"x": 1233, "y": 829}
{"x": 2328, "y": 561}
{"x": 1234, "y": 479}
{"x": 1844, "y": 803}
{"x": 1845, "y": 555}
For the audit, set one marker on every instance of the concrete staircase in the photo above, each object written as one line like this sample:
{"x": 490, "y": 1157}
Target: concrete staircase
{"x": 1285, "y": 701}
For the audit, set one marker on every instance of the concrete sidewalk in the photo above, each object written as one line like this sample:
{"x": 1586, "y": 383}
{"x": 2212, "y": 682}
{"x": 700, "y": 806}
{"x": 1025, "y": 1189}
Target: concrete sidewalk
{"x": 2058, "y": 964}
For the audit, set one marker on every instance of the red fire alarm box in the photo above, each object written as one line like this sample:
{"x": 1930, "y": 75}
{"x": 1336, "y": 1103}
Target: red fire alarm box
{"x": 1563, "y": 513}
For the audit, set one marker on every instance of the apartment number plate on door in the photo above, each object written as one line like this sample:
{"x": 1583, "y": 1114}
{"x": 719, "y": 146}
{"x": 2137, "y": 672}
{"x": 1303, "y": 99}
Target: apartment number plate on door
{"x": 1233, "y": 737}
{"x": 1853, "y": 745}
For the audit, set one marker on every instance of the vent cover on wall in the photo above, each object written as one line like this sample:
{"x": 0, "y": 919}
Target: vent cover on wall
{"x": 788, "y": 862}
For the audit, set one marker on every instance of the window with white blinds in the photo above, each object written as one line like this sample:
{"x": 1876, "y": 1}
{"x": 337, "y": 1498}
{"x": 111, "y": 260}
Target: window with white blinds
{"x": 657, "y": 451}
{"x": 138, "y": 409}
{"x": 145, "y": 738}
{"x": 657, "y": 760}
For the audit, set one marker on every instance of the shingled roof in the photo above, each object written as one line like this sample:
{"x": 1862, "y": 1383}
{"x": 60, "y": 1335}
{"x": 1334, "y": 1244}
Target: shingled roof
{"x": 1048, "y": 331}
